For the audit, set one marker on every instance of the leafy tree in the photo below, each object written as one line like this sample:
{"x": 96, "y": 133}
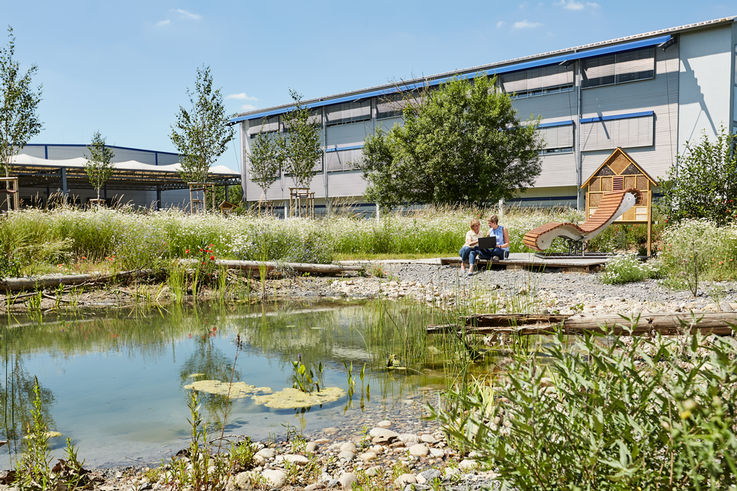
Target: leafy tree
{"x": 461, "y": 143}
{"x": 19, "y": 101}
{"x": 201, "y": 133}
{"x": 301, "y": 143}
{"x": 266, "y": 160}
{"x": 704, "y": 183}
{"x": 99, "y": 166}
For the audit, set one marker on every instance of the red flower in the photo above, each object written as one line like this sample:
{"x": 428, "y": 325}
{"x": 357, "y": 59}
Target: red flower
{"x": 186, "y": 251}
{"x": 212, "y": 258}
{"x": 200, "y": 249}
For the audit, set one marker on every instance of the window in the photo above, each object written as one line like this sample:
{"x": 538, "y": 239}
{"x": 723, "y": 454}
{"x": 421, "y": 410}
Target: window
{"x": 623, "y": 130}
{"x": 627, "y": 66}
{"x": 538, "y": 81}
{"x": 348, "y": 112}
{"x": 557, "y": 139}
{"x": 337, "y": 160}
{"x": 265, "y": 125}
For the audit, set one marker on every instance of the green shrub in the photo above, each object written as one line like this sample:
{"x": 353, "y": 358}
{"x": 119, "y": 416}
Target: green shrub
{"x": 628, "y": 269}
{"x": 622, "y": 413}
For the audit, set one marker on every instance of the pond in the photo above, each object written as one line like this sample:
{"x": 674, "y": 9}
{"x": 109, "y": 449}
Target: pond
{"x": 115, "y": 384}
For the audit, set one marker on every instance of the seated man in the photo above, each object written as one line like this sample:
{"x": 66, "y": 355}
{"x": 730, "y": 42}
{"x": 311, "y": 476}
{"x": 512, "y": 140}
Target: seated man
{"x": 501, "y": 251}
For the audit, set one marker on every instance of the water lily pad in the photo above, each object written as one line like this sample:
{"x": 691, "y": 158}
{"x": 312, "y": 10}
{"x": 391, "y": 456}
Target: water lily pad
{"x": 291, "y": 398}
{"x": 238, "y": 390}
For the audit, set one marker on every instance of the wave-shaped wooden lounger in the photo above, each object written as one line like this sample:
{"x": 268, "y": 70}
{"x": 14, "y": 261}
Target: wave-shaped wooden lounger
{"x": 611, "y": 207}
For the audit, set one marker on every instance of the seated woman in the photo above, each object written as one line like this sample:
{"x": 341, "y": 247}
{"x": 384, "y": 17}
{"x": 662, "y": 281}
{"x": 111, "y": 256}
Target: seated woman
{"x": 501, "y": 251}
{"x": 470, "y": 248}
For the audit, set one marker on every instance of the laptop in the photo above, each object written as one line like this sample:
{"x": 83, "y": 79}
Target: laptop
{"x": 487, "y": 242}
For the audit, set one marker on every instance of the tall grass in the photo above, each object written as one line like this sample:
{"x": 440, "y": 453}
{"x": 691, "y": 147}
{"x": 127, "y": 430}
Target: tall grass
{"x": 152, "y": 239}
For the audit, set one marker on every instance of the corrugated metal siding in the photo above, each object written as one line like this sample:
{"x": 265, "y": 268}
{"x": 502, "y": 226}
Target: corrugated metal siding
{"x": 349, "y": 134}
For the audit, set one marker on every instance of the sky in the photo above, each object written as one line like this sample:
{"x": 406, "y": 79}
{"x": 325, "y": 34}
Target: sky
{"x": 123, "y": 68}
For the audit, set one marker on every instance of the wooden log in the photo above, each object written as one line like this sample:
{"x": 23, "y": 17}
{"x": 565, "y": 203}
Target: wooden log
{"x": 49, "y": 281}
{"x": 668, "y": 323}
{"x": 273, "y": 266}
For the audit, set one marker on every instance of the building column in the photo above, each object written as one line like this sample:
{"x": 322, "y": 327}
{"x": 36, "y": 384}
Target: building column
{"x": 158, "y": 198}
{"x": 245, "y": 152}
{"x": 64, "y": 186}
{"x": 580, "y": 205}
{"x": 324, "y": 161}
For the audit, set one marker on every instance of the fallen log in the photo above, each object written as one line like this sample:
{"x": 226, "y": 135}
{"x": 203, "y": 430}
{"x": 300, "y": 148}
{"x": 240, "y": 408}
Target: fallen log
{"x": 274, "y": 267}
{"x": 53, "y": 281}
{"x": 668, "y": 323}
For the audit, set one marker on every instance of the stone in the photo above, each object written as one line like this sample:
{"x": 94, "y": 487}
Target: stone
{"x": 263, "y": 455}
{"x": 243, "y": 480}
{"x": 321, "y": 441}
{"x": 377, "y": 449}
{"x": 383, "y": 433}
{"x": 367, "y": 456}
{"x": 346, "y": 480}
{"x": 347, "y": 456}
{"x": 274, "y": 477}
{"x": 409, "y": 438}
{"x": 313, "y": 487}
{"x": 427, "y": 438}
{"x": 348, "y": 447}
{"x": 330, "y": 430}
{"x": 418, "y": 450}
{"x": 428, "y": 476}
{"x": 405, "y": 479}
{"x": 450, "y": 472}
{"x": 467, "y": 465}
{"x": 311, "y": 447}
{"x": 293, "y": 459}
{"x": 384, "y": 424}
{"x": 437, "y": 452}
{"x": 373, "y": 471}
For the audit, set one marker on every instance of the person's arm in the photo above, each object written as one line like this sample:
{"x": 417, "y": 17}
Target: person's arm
{"x": 506, "y": 239}
{"x": 471, "y": 239}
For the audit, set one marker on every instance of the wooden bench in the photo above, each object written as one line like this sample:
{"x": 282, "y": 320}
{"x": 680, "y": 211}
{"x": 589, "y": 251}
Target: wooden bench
{"x": 611, "y": 207}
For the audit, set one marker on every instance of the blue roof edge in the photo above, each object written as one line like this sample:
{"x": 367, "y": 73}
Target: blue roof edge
{"x": 552, "y": 60}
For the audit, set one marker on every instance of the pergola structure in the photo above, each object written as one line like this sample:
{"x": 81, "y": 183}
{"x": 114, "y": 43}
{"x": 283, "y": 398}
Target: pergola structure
{"x": 68, "y": 174}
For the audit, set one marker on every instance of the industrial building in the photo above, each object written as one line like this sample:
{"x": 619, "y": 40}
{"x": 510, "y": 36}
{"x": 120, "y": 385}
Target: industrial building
{"x": 145, "y": 178}
{"x": 647, "y": 93}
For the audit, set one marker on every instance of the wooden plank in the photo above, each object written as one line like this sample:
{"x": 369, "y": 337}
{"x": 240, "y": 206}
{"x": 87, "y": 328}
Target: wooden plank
{"x": 274, "y": 266}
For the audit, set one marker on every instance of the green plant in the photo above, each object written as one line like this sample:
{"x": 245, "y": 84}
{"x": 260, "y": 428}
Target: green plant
{"x": 301, "y": 145}
{"x": 455, "y": 134}
{"x": 241, "y": 455}
{"x": 627, "y": 269}
{"x": 99, "y": 165}
{"x": 703, "y": 183}
{"x": 615, "y": 413}
{"x": 306, "y": 379}
{"x": 34, "y": 468}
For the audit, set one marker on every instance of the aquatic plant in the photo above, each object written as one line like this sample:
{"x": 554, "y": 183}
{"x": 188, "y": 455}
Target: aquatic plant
{"x": 306, "y": 379}
{"x": 34, "y": 468}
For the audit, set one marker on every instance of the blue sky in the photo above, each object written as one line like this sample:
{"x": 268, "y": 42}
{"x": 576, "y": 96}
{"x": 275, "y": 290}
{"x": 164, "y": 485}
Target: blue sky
{"x": 123, "y": 67}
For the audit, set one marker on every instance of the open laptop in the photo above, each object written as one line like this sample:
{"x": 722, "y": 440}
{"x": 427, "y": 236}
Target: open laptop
{"x": 487, "y": 242}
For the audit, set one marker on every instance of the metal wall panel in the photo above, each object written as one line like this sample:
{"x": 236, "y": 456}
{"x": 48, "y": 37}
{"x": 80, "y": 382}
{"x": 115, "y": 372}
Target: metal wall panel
{"x": 557, "y": 136}
{"x": 34, "y": 151}
{"x": 550, "y": 107}
{"x": 557, "y": 170}
{"x": 343, "y": 160}
{"x": 346, "y": 184}
{"x": 348, "y": 111}
{"x": 625, "y": 133}
{"x": 266, "y": 125}
{"x": 168, "y": 159}
{"x": 122, "y": 155}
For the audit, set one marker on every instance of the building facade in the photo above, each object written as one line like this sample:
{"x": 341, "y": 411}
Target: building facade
{"x": 648, "y": 93}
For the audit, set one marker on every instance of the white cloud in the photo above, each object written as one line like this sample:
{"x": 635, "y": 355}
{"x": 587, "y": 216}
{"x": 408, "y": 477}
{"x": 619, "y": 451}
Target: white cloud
{"x": 248, "y": 107}
{"x": 187, "y": 15}
{"x": 241, "y": 96}
{"x": 163, "y": 23}
{"x": 525, "y": 24}
{"x": 576, "y": 5}
{"x": 500, "y": 24}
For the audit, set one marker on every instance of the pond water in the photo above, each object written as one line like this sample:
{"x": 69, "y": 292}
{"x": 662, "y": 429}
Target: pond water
{"x": 115, "y": 384}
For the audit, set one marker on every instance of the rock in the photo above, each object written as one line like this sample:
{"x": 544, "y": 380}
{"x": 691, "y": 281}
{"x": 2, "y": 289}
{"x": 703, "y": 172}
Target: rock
{"x": 373, "y": 471}
{"x": 418, "y": 450}
{"x": 274, "y": 477}
{"x": 467, "y": 465}
{"x": 450, "y": 472}
{"x": 383, "y": 433}
{"x": 347, "y": 456}
{"x": 428, "y": 476}
{"x": 313, "y": 487}
{"x": 330, "y": 430}
{"x": 405, "y": 479}
{"x": 264, "y": 455}
{"x": 427, "y": 438}
{"x": 311, "y": 447}
{"x": 348, "y": 447}
{"x": 384, "y": 424}
{"x": 409, "y": 438}
{"x": 346, "y": 480}
{"x": 367, "y": 456}
{"x": 321, "y": 441}
{"x": 293, "y": 459}
{"x": 243, "y": 480}
{"x": 437, "y": 452}
{"x": 377, "y": 449}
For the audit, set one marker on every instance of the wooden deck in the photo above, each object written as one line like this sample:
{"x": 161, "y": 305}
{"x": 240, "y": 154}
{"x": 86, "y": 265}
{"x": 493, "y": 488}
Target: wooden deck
{"x": 529, "y": 261}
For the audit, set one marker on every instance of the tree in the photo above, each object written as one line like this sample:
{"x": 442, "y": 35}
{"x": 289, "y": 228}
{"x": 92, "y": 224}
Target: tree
{"x": 266, "y": 160}
{"x": 301, "y": 143}
{"x": 201, "y": 133}
{"x": 460, "y": 144}
{"x": 704, "y": 182}
{"x": 19, "y": 101}
{"x": 99, "y": 166}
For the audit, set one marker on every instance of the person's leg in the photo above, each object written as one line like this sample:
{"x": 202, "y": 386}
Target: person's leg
{"x": 464, "y": 252}
{"x": 497, "y": 253}
{"x": 472, "y": 258}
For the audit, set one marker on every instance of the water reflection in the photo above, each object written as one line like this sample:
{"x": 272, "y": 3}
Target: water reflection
{"x": 115, "y": 384}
